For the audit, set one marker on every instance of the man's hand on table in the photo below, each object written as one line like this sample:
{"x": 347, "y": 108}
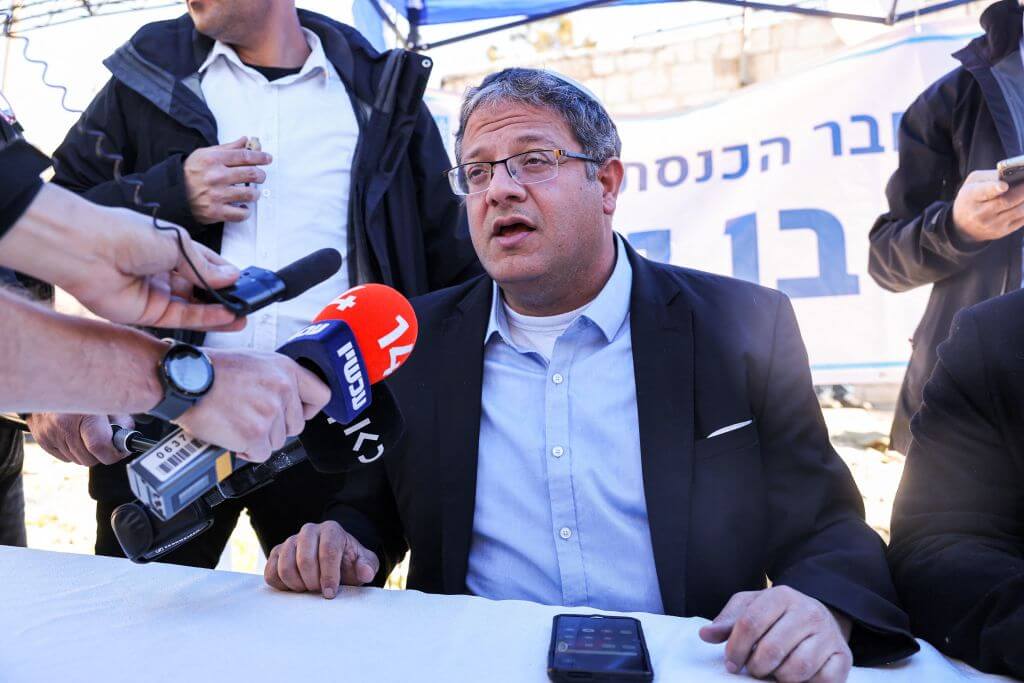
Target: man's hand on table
{"x": 782, "y": 633}
{"x": 318, "y": 559}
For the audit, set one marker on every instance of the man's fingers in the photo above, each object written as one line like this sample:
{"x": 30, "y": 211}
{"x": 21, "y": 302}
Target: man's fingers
{"x": 835, "y": 670}
{"x": 270, "y": 574}
{"x": 294, "y": 419}
{"x": 217, "y": 271}
{"x": 803, "y": 661}
{"x": 180, "y": 314}
{"x": 234, "y": 144}
{"x": 97, "y": 438}
{"x": 236, "y": 175}
{"x": 775, "y": 646}
{"x": 313, "y": 393}
{"x": 731, "y": 612}
{"x": 239, "y": 194}
{"x": 287, "y": 569}
{"x": 759, "y": 616}
{"x": 331, "y": 541}
{"x": 986, "y": 191}
{"x": 358, "y": 565}
{"x": 307, "y": 556}
{"x": 245, "y": 157}
{"x": 233, "y": 214}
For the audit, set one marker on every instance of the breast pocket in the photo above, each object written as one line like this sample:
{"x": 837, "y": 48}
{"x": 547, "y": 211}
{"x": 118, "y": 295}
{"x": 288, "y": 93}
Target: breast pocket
{"x": 737, "y": 439}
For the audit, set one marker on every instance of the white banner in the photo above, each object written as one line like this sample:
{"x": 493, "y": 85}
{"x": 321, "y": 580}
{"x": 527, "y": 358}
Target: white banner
{"x": 780, "y": 184}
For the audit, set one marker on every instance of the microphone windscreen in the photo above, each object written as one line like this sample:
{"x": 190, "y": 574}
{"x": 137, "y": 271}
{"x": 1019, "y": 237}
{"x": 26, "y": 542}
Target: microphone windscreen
{"x": 308, "y": 271}
{"x": 383, "y": 323}
{"x": 333, "y": 447}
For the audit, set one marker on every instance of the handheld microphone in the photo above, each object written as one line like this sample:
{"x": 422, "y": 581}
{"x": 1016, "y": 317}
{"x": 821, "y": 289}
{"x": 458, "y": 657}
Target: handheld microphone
{"x": 357, "y": 340}
{"x": 258, "y": 287}
{"x": 329, "y": 446}
{"x": 363, "y": 336}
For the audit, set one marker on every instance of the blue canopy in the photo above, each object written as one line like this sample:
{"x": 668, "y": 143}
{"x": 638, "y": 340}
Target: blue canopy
{"x": 423, "y": 12}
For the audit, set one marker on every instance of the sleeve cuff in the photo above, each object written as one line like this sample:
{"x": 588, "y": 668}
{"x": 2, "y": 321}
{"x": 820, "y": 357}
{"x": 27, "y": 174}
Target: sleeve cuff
{"x": 20, "y": 166}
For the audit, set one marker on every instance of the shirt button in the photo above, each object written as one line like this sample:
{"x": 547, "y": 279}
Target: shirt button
{"x": 557, "y": 378}
{"x": 558, "y": 451}
{"x": 565, "y": 533}
{"x": 266, "y": 193}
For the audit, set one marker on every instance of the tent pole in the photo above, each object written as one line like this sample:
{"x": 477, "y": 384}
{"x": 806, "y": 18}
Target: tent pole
{"x": 412, "y": 13}
{"x": 903, "y": 16}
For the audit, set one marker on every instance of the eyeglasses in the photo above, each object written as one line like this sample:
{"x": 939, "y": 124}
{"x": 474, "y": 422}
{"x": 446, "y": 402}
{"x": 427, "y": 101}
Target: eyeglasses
{"x": 526, "y": 168}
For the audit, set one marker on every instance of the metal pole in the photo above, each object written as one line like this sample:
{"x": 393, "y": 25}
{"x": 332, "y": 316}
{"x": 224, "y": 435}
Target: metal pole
{"x": 8, "y": 23}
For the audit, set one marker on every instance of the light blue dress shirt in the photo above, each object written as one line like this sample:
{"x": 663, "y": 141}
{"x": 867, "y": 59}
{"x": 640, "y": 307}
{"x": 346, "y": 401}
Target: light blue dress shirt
{"x": 560, "y": 514}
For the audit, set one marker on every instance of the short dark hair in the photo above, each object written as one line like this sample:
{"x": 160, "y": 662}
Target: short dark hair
{"x": 587, "y": 118}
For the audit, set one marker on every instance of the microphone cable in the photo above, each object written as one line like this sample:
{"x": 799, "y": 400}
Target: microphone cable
{"x": 116, "y": 159}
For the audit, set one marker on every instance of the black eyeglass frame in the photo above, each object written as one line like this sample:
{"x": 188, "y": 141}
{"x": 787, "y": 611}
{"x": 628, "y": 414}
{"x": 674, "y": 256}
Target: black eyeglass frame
{"x": 559, "y": 155}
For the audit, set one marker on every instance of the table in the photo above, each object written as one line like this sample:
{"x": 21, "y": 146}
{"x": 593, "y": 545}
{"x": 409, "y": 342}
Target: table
{"x": 67, "y": 617}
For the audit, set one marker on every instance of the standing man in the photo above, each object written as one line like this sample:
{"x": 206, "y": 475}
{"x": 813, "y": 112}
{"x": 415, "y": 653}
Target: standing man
{"x": 951, "y": 223}
{"x": 350, "y": 159}
{"x": 587, "y": 427}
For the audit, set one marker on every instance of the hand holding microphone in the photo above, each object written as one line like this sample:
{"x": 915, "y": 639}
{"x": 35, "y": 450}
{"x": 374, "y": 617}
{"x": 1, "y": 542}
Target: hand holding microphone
{"x": 258, "y": 400}
{"x": 360, "y": 338}
{"x": 232, "y": 414}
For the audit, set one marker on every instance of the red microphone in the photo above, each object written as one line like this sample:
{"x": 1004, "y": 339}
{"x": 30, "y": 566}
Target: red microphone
{"x": 383, "y": 323}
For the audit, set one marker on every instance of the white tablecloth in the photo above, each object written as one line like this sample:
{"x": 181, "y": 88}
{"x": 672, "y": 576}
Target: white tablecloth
{"x": 70, "y": 617}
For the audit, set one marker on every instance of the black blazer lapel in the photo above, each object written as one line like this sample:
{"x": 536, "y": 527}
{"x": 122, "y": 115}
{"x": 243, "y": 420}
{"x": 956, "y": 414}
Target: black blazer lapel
{"x": 458, "y": 425}
{"x": 661, "y": 324}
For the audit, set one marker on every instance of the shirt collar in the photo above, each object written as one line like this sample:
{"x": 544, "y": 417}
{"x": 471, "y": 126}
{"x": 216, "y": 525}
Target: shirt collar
{"x": 607, "y": 311}
{"x": 317, "y": 58}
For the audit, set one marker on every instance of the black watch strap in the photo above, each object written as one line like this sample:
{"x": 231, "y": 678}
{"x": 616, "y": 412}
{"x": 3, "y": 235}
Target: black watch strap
{"x": 172, "y": 405}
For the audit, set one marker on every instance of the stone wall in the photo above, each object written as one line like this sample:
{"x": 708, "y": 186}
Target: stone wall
{"x": 693, "y": 71}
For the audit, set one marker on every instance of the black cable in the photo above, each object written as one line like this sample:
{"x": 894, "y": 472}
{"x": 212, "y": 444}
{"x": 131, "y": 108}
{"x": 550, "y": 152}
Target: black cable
{"x": 114, "y": 158}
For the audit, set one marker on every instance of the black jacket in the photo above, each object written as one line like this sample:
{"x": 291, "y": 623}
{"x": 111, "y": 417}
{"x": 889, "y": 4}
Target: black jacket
{"x": 20, "y": 166}
{"x": 957, "y": 549}
{"x": 960, "y": 124}
{"x": 768, "y": 500}
{"x": 406, "y": 226}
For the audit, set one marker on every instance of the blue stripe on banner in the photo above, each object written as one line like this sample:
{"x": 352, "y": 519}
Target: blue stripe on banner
{"x": 906, "y": 41}
{"x": 860, "y": 366}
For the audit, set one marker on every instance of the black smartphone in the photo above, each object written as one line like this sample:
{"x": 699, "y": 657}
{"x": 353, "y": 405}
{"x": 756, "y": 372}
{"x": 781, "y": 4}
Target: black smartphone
{"x": 1011, "y": 171}
{"x": 591, "y": 647}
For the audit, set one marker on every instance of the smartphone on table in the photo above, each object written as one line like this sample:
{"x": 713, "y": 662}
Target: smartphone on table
{"x": 598, "y": 648}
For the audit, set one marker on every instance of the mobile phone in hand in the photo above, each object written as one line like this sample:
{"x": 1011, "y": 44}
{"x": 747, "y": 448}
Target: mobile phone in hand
{"x": 1011, "y": 171}
{"x": 598, "y": 648}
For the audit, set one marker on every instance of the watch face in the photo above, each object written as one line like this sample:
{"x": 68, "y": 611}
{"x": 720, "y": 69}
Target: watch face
{"x": 189, "y": 371}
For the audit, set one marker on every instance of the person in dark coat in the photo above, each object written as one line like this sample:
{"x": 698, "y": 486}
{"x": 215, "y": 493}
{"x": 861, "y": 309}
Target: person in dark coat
{"x": 957, "y": 550}
{"x": 355, "y": 163}
{"x": 951, "y": 223}
{"x": 587, "y": 427}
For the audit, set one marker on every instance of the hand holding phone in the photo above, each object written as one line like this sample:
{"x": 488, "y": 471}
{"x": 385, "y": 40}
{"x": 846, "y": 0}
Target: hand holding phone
{"x": 598, "y": 648}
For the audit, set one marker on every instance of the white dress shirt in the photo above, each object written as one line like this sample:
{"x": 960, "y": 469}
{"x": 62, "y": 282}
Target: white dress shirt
{"x": 306, "y": 122}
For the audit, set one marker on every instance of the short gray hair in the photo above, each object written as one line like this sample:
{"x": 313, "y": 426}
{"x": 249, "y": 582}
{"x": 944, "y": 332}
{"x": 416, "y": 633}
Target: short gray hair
{"x": 586, "y": 117}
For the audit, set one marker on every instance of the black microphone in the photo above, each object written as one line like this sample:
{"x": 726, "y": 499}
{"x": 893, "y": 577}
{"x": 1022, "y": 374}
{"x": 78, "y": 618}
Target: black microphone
{"x": 258, "y": 287}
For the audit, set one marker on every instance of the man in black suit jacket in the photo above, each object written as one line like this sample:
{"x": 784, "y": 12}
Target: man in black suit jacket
{"x": 735, "y": 481}
{"x": 957, "y": 550}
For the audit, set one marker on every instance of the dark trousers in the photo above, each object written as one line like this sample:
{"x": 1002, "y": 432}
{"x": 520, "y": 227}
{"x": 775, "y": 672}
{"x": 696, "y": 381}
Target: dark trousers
{"x": 12, "y": 494}
{"x": 277, "y": 511}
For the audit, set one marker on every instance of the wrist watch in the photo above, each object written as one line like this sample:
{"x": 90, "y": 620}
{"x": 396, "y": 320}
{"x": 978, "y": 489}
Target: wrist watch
{"x": 186, "y": 375}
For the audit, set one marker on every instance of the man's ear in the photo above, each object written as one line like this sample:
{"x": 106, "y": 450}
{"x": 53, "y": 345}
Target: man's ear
{"x": 610, "y": 176}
